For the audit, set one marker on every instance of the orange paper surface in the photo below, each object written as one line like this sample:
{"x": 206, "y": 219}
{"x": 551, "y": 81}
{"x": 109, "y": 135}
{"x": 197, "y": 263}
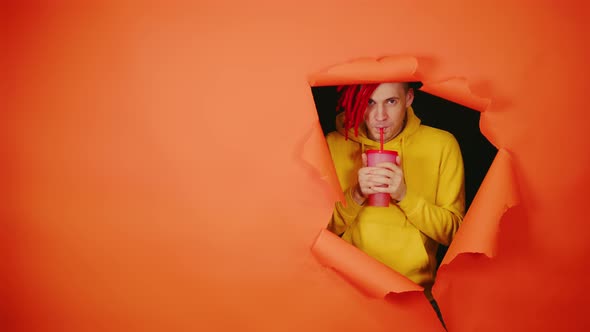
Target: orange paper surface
{"x": 163, "y": 167}
{"x": 457, "y": 91}
{"x": 368, "y": 70}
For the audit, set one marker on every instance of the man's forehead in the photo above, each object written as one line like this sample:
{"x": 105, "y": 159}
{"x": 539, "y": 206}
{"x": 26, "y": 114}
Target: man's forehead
{"x": 389, "y": 90}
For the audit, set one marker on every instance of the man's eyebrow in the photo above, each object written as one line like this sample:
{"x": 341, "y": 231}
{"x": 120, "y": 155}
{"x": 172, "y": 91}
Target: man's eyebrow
{"x": 390, "y": 98}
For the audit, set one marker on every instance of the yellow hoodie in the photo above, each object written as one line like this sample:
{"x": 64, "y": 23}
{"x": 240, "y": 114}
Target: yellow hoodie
{"x": 405, "y": 236}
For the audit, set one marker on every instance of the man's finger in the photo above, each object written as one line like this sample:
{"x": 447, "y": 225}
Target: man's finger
{"x": 378, "y": 180}
{"x": 390, "y": 166}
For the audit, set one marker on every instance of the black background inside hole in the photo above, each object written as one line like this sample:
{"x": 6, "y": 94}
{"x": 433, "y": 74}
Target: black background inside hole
{"x": 478, "y": 153}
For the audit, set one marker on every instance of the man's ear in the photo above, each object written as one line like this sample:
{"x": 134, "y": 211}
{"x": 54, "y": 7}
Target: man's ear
{"x": 409, "y": 97}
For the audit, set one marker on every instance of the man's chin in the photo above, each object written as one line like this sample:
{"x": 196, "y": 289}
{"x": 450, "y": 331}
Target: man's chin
{"x": 377, "y": 134}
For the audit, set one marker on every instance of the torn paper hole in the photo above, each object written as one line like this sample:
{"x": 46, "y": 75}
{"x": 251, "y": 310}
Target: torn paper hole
{"x": 367, "y": 273}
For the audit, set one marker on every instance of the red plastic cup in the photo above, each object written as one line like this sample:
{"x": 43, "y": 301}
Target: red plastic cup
{"x": 375, "y": 157}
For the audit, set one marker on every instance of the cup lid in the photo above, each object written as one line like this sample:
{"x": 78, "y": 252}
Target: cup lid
{"x": 384, "y": 151}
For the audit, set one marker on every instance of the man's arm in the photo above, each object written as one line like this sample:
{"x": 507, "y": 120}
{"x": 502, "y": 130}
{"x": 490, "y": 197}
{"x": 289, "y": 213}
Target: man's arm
{"x": 440, "y": 221}
{"x": 344, "y": 216}
{"x": 356, "y": 197}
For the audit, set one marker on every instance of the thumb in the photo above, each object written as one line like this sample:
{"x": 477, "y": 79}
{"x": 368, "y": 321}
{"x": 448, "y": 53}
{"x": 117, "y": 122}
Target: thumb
{"x": 364, "y": 157}
{"x": 398, "y": 160}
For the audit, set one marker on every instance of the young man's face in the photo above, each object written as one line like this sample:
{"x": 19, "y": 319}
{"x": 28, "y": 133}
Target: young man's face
{"x": 387, "y": 109}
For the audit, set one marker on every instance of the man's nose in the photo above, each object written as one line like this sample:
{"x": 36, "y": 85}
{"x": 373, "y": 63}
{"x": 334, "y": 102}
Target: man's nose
{"x": 380, "y": 113}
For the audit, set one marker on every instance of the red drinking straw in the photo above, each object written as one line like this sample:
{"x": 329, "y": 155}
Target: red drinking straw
{"x": 381, "y": 134}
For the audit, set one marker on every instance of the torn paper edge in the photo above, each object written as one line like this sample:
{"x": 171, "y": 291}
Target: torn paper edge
{"x": 479, "y": 231}
{"x": 371, "y": 276}
{"x": 404, "y": 68}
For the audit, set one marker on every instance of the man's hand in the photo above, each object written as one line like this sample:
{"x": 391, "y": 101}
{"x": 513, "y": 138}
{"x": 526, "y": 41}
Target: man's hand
{"x": 383, "y": 178}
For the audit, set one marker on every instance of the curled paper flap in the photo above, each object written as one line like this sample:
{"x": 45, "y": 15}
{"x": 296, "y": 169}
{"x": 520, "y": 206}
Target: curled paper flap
{"x": 457, "y": 90}
{"x": 372, "y": 277}
{"x": 398, "y": 68}
{"x": 496, "y": 195}
{"x": 315, "y": 154}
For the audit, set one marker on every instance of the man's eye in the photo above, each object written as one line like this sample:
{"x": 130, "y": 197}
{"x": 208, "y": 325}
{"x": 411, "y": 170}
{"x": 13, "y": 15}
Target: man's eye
{"x": 391, "y": 101}
{"x": 371, "y": 102}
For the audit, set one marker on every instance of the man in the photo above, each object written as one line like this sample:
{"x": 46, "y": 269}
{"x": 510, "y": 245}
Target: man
{"x": 426, "y": 184}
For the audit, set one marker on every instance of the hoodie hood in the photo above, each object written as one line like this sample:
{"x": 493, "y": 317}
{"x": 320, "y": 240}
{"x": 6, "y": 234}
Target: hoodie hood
{"x": 412, "y": 125}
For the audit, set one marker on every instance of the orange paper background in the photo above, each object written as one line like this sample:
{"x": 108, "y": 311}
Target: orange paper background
{"x": 154, "y": 173}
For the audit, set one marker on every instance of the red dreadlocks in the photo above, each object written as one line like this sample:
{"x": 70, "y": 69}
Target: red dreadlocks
{"x": 354, "y": 100}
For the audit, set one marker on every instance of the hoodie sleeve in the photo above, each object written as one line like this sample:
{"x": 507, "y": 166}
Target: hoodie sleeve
{"x": 341, "y": 150}
{"x": 344, "y": 216}
{"x": 440, "y": 220}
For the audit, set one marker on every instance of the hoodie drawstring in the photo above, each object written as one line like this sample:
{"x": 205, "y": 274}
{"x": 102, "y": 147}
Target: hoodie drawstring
{"x": 401, "y": 154}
